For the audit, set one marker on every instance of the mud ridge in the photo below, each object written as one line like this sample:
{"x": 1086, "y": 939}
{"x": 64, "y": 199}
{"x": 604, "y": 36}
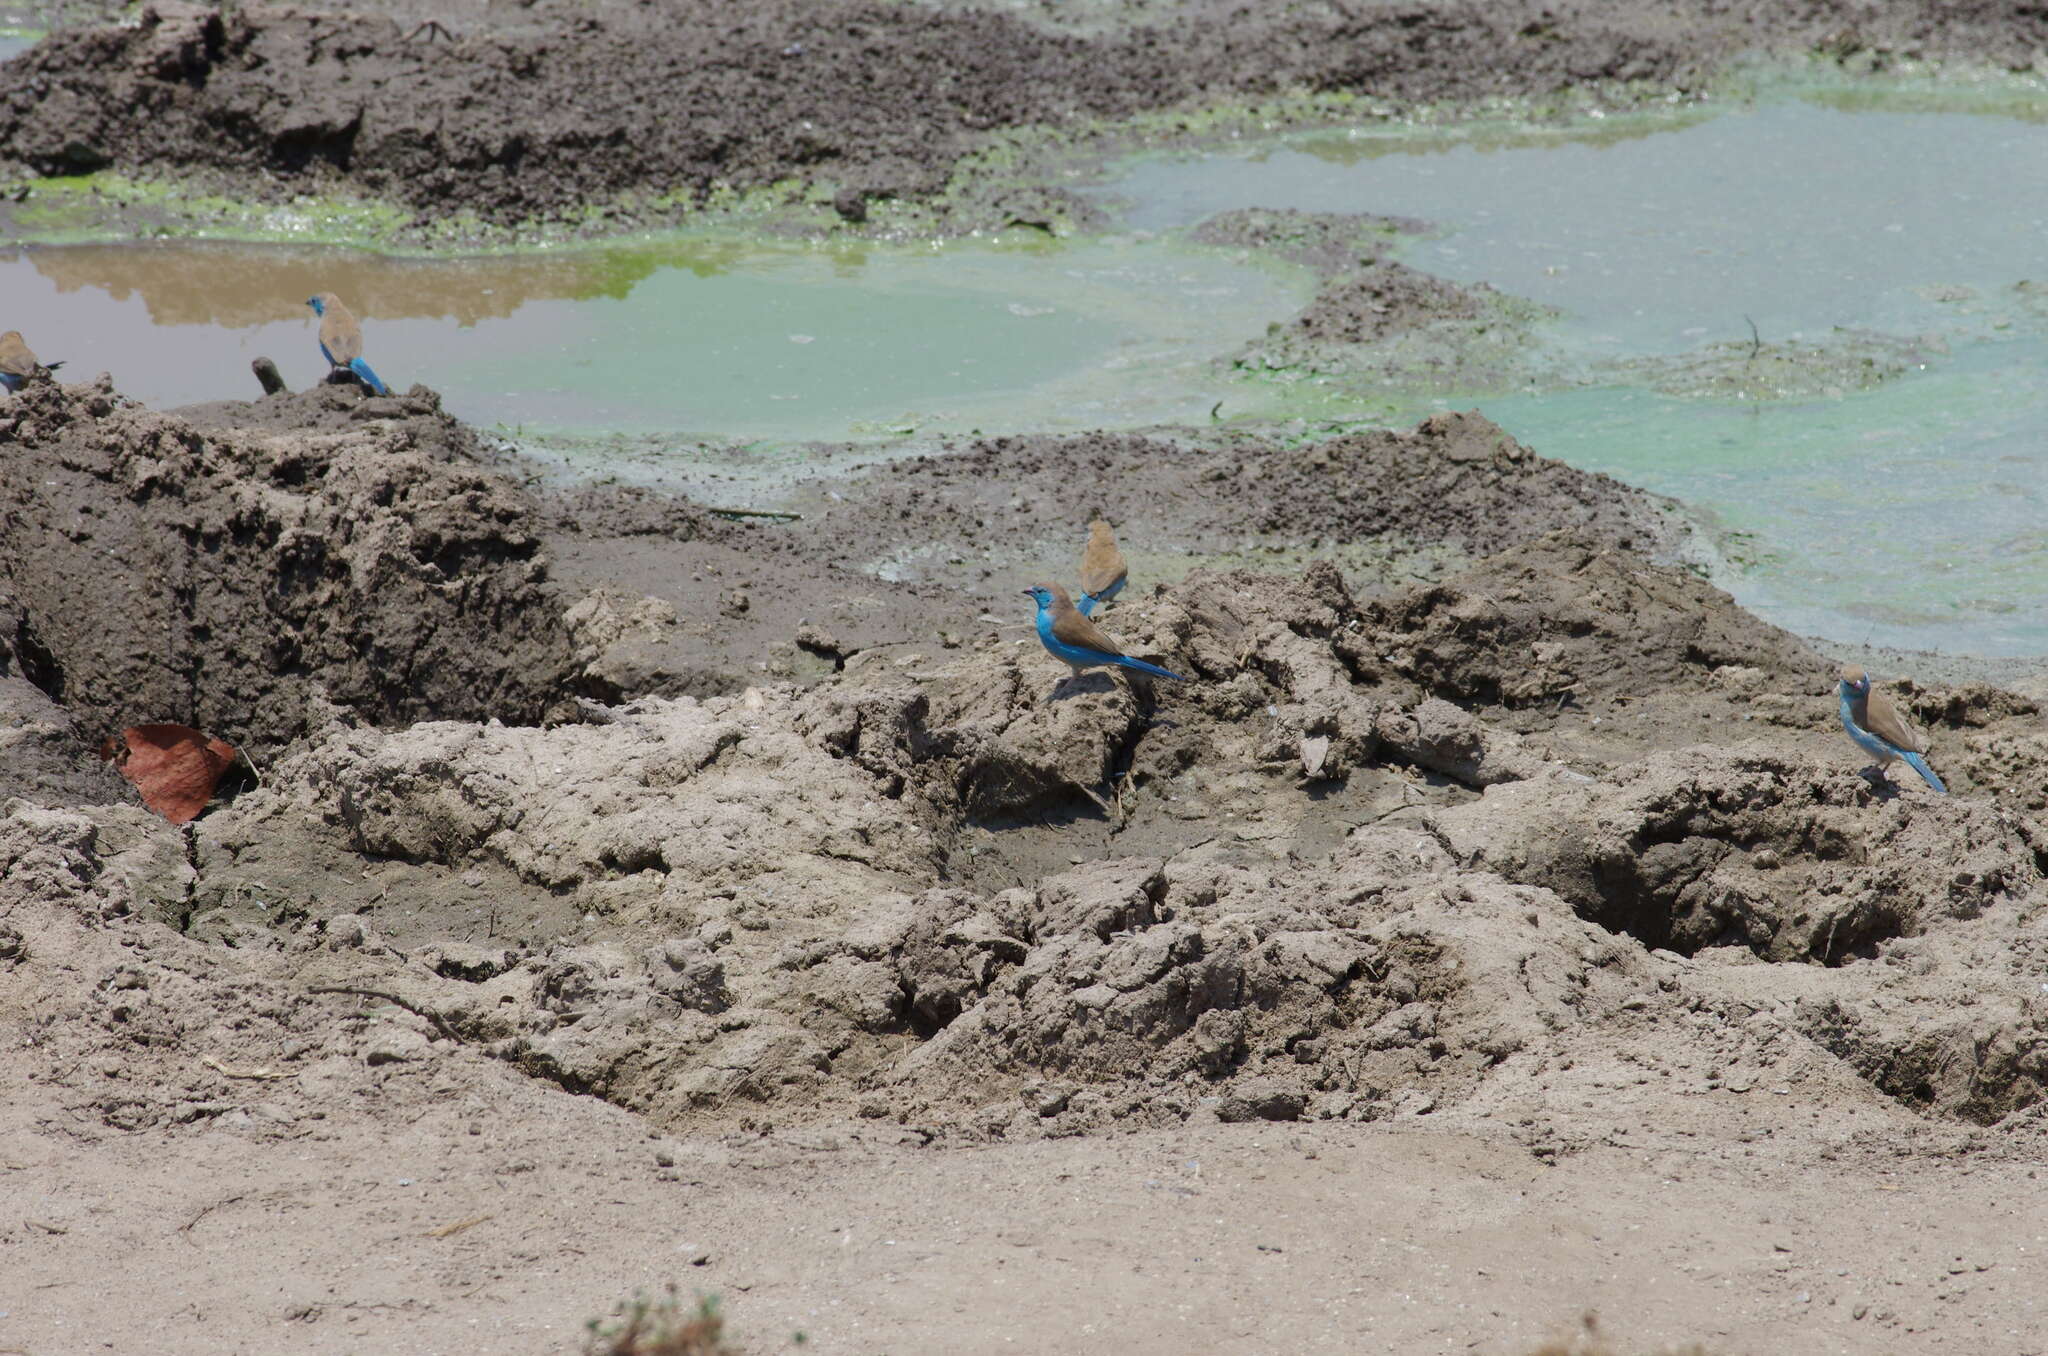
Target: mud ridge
{"x": 1384, "y": 854}
{"x": 871, "y": 101}
{"x": 159, "y": 567}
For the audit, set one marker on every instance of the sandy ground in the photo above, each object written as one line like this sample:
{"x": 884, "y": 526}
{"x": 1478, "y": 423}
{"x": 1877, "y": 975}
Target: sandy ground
{"x": 1495, "y": 927}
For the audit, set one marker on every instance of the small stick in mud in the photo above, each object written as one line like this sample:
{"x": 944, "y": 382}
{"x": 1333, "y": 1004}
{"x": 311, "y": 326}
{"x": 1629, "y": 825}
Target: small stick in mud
{"x": 450, "y": 1230}
{"x": 415, "y": 1009}
{"x": 267, "y": 373}
{"x": 756, "y": 513}
{"x": 226, "y": 1071}
{"x": 1756, "y": 343}
{"x": 204, "y": 1211}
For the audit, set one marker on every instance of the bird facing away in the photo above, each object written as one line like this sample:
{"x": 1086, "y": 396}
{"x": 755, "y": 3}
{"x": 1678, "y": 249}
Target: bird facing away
{"x": 17, "y": 363}
{"x": 1879, "y": 728}
{"x": 1077, "y": 642}
{"x": 341, "y": 340}
{"x": 1102, "y": 568}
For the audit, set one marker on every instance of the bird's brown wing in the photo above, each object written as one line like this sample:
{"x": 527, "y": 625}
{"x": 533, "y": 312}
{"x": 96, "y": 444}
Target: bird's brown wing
{"x": 15, "y": 358}
{"x": 341, "y": 335}
{"x": 1101, "y": 564}
{"x": 1069, "y": 627}
{"x": 1888, "y": 723}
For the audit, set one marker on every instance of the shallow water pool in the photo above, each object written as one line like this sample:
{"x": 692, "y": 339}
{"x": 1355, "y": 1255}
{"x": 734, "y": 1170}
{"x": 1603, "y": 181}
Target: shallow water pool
{"x": 1893, "y": 256}
{"x": 1911, "y": 513}
{"x": 692, "y": 338}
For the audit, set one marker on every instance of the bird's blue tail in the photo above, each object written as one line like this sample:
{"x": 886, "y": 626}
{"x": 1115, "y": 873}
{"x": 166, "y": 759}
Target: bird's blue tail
{"x": 370, "y": 379}
{"x": 1086, "y": 607}
{"x": 1919, "y": 765}
{"x": 10, "y": 381}
{"x": 1127, "y": 662}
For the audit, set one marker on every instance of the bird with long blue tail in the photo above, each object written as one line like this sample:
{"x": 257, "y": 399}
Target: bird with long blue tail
{"x": 341, "y": 340}
{"x": 1079, "y": 643}
{"x": 1102, "y": 569}
{"x": 1880, "y": 729}
{"x": 18, "y": 363}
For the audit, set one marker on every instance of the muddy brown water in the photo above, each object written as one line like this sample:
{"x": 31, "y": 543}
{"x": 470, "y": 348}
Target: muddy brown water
{"x": 743, "y": 341}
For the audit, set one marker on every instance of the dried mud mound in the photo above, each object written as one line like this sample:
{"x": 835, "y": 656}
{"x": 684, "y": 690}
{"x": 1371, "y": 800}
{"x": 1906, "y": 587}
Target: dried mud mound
{"x": 876, "y": 99}
{"x": 153, "y": 568}
{"x": 1567, "y": 618}
{"x": 788, "y": 903}
{"x": 1455, "y": 481}
{"x": 1374, "y": 318}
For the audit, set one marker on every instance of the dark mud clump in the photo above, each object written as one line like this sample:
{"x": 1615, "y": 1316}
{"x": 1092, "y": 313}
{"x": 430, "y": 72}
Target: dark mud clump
{"x": 929, "y": 552}
{"x": 1455, "y": 479}
{"x": 875, "y": 100}
{"x": 1329, "y": 244}
{"x": 1374, "y": 322}
{"x": 248, "y": 581}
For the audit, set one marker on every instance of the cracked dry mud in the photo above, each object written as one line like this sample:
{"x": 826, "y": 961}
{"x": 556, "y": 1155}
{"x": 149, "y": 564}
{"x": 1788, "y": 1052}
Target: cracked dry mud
{"x": 1534, "y": 870}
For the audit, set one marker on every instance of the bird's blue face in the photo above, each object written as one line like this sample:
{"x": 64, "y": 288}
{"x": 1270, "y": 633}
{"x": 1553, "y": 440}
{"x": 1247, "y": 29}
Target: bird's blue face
{"x": 1858, "y": 689}
{"x": 1040, "y": 594}
{"x": 318, "y": 309}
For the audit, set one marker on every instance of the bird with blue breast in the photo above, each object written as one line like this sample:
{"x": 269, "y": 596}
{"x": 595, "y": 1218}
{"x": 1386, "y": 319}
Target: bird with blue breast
{"x": 18, "y": 363}
{"x": 1102, "y": 569}
{"x": 1078, "y": 642}
{"x": 1880, "y": 729}
{"x": 341, "y": 340}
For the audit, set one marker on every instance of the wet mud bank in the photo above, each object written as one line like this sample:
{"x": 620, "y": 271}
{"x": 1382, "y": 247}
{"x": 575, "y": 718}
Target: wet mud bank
{"x": 626, "y": 893}
{"x": 865, "y": 102}
{"x": 1399, "y": 844}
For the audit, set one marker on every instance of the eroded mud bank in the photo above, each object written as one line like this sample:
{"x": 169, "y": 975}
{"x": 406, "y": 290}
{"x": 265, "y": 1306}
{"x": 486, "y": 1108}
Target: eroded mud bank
{"x": 1398, "y": 843}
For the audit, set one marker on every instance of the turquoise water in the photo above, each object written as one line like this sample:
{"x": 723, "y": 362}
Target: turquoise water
{"x": 1798, "y": 216}
{"x": 691, "y": 338}
{"x": 1909, "y": 514}
{"x": 1913, "y": 515}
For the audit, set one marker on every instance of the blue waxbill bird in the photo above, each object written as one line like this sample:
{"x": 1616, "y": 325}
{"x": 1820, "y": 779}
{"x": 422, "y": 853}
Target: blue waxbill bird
{"x": 1077, "y": 642}
{"x": 17, "y": 363}
{"x": 1880, "y": 729}
{"x": 341, "y": 340}
{"x": 1102, "y": 568}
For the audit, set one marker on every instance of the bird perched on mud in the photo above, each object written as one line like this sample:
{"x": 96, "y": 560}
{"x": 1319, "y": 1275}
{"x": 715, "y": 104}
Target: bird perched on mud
{"x": 17, "y": 363}
{"x": 1102, "y": 568}
{"x": 341, "y": 340}
{"x": 1879, "y": 728}
{"x": 1077, "y": 642}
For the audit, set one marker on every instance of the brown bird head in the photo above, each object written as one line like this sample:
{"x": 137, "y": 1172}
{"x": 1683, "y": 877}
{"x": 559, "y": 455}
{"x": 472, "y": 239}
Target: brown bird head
{"x": 1052, "y": 596}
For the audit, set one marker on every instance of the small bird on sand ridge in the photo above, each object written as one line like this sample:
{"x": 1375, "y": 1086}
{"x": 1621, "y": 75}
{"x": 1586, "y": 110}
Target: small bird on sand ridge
{"x": 341, "y": 340}
{"x": 1102, "y": 568}
{"x": 1077, "y": 642}
{"x": 18, "y": 363}
{"x": 1880, "y": 729}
